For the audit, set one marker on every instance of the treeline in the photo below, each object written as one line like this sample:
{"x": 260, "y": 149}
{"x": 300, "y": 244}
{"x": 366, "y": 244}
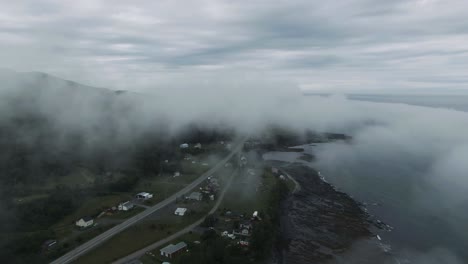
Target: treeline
{"x": 33, "y": 150}
{"x": 275, "y": 136}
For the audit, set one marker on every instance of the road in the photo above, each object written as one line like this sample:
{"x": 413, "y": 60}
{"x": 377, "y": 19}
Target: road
{"x": 96, "y": 241}
{"x": 297, "y": 186}
{"x": 181, "y": 232}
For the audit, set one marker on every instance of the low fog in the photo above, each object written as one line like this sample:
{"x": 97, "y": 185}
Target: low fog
{"x": 425, "y": 149}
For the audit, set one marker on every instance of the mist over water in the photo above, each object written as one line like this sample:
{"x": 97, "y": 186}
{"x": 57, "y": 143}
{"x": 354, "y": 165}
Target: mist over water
{"x": 456, "y": 102}
{"x": 411, "y": 175}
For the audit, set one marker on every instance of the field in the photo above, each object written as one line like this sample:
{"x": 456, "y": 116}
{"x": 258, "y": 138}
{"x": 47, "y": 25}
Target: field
{"x": 145, "y": 233}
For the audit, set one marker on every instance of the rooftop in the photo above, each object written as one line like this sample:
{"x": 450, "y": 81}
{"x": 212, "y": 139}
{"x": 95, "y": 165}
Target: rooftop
{"x": 180, "y": 210}
{"x": 195, "y": 195}
{"x": 87, "y": 218}
{"x": 170, "y": 249}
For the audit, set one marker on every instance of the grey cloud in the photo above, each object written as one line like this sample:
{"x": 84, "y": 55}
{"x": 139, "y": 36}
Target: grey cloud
{"x": 70, "y": 39}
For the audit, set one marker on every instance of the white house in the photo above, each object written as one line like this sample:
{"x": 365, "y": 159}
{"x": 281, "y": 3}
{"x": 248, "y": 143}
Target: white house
{"x": 184, "y": 146}
{"x": 85, "y": 222}
{"x": 180, "y": 211}
{"x": 125, "y": 206}
{"x": 176, "y": 174}
{"x": 198, "y": 146}
{"x": 144, "y": 196}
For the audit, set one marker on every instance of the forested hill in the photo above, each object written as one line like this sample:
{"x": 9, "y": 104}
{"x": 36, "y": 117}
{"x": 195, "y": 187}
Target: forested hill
{"x": 48, "y": 125}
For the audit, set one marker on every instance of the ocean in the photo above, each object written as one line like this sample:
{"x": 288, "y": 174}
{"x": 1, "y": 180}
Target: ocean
{"x": 394, "y": 185}
{"x": 456, "y": 102}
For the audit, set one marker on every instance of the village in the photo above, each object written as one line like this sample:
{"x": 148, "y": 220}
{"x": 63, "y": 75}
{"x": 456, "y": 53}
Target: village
{"x": 243, "y": 184}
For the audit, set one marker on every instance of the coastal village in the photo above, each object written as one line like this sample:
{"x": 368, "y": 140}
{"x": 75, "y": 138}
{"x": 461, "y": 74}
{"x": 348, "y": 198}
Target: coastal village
{"x": 228, "y": 203}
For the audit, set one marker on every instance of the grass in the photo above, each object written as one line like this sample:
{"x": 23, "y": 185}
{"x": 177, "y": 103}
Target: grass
{"x": 240, "y": 198}
{"x": 149, "y": 231}
{"x": 141, "y": 235}
{"x": 92, "y": 207}
{"x": 77, "y": 240}
{"x": 188, "y": 238}
{"x": 30, "y": 198}
{"x": 126, "y": 214}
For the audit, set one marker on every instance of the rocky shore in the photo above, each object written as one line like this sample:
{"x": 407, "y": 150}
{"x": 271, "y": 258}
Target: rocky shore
{"x": 318, "y": 222}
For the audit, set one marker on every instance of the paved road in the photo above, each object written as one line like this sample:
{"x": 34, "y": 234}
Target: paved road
{"x": 96, "y": 241}
{"x": 181, "y": 232}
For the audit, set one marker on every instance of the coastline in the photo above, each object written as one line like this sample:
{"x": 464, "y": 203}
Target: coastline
{"x": 317, "y": 223}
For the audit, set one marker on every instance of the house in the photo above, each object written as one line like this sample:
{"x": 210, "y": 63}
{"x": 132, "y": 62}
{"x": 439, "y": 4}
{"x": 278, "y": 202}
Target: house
{"x": 198, "y": 146}
{"x": 241, "y": 232}
{"x": 176, "y": 174}
{"x": 144, "y": 196}
{"x": 245, "y": 225}
{"x": 180, "y": 211}
{"x": 85, "y": 222}
{"x": 172, "y": 250}
{"x": 184, "y": 146}
{"x": 125, "y": 206}
{"x": 195, "y": 196}
{"x": 274, "y": 170}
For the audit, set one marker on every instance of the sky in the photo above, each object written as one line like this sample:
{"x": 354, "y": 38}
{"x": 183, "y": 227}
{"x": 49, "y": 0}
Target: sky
{"x": 311, "y": 45}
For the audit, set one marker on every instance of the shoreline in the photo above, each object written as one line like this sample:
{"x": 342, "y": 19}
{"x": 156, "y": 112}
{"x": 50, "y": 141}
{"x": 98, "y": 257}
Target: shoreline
{"x": 318, "y": 222}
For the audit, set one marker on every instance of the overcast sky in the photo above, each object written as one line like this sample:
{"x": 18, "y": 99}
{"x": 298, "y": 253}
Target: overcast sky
{"x": 345, "y": 44}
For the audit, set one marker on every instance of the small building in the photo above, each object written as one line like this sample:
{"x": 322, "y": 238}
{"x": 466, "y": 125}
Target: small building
{"x": 144, "y": 196}
{"x": 126, "y": 206}
{"x": 198, "y": 146}
{"x": 172, "y": 250}
{"x": 274, "y": 170}
{"x": 184, "y": 146}
{"x": 176, "y": 174}
{"x": 180, "y": 211}
{"x": 197, "y": 196}
{"x": 85, "y": 222}
{"x": 241, "y": 232}
{"x": 245, "y": 225}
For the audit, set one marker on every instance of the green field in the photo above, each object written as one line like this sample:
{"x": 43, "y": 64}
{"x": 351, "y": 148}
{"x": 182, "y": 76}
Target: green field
{"x": 141, "y": 235}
